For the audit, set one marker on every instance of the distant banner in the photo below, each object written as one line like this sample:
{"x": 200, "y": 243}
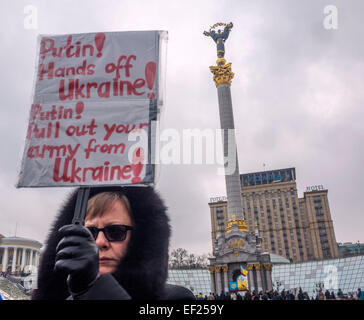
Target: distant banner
{"x": 233, "y": 286}
{"x": 242, "y": 285}
{"x": 95, "y": 97}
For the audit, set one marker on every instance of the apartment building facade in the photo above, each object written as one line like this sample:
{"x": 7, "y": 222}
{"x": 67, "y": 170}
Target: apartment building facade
{"x": 300, "y": 229}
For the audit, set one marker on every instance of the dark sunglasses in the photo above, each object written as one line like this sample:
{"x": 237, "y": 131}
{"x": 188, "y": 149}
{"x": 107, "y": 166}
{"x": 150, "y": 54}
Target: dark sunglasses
{"x": 113, "y": 232}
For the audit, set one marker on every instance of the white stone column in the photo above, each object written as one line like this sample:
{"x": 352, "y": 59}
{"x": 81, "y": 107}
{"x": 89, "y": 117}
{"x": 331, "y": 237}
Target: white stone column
{"x": 23, "y": 259}
{"x": 232, "y": 178}
{"x": 31, "y": 257}
{"x": 226, "y": 283}
{"x": 5, "y": 259}
{"x": 218, "y": 280}
{"x": 14, "y": 260}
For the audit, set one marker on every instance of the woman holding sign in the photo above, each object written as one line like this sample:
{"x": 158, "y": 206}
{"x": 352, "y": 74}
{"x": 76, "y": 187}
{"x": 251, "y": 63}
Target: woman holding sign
{"x": 121, "y": 253}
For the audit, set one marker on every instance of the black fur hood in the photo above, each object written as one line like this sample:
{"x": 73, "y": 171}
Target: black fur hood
{"x": 143, "y": 271}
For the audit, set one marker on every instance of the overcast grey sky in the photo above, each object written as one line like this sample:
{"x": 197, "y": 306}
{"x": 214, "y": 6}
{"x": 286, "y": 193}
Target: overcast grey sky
{"x": 297, "y": 100}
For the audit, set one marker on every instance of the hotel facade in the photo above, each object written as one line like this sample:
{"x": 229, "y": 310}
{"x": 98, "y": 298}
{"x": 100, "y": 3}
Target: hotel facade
{"x": 300, "y": 229}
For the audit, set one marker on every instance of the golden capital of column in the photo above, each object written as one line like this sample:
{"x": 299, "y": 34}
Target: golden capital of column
{"x": 240, "y": 223}
{"x": 257, "y": 266}
{"x": 222, "y": 72}
{"x": 225, "y": 268}
{"x": 267, "y": 267}
{"x": 212, "y": 270}
{"x": 218, "y": 269}
{"x": 250, "y": 266}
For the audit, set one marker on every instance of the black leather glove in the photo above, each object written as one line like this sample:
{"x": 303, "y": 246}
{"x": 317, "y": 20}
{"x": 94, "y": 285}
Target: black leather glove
{"x": 77, "y": 255}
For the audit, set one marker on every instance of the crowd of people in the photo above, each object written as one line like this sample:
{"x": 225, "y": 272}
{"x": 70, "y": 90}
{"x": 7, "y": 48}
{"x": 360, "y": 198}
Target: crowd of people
{"x": 283, "y": 295}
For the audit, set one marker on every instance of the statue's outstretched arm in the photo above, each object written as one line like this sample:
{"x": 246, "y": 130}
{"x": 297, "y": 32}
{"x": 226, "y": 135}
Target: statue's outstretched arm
{"x": 225, "y": 33}
{"x": 213, "y": 35}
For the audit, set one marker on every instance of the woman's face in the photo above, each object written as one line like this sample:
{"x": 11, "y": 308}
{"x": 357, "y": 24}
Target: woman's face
{"x": 110, "y": 253}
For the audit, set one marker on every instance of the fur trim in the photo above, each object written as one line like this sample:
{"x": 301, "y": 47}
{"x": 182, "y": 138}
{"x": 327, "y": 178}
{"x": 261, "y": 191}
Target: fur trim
{"x": 143, "y": 271}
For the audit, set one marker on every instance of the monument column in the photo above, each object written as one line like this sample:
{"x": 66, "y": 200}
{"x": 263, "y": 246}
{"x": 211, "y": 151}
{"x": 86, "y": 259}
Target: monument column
{"x": 5, "y": 259}
{"x": 218, "y": 280}
{"x": 222, "y": 77}
{"x": 212, "y": 280}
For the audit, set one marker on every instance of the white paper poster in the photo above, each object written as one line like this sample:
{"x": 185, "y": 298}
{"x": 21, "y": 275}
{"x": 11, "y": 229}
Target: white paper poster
{"x": 92, "y": 92}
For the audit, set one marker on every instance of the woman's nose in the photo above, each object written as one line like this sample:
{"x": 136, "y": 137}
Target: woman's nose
{"x": 101, "y": 240}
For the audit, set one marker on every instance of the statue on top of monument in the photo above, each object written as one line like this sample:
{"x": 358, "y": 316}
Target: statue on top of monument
{"x": 219, "y": 37}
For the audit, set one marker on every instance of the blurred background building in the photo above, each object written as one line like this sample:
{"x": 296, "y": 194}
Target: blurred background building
{"x": 300, "y": 229}
{"x": 19, "y": 261}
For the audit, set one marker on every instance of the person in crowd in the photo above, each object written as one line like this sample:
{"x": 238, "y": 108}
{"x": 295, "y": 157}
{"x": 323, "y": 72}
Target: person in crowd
{"x": 290, "y": 296}
{"x": 283, "y": 294}
{"x": 276, "y": 296}
{"x": 340, "y": 294}
{"x": 306, "y": 296}
{"x": 332, "y": 296}
{"x": 327, "y": 295}
{"x": 361, "y": 295}
{"x": 210, "y": 297}
{"x": 320, "y": 295}
{"x": 264, "y": 296}
{"x": 270, "y": 295}
{"x": 247, "y": 295}
{"x": 199, "y": 296}
{"x": 238, "y": 296}
{"x": 300, "y": 295}
{"x": 120, "y": 253}
{"x": 358, "y": 293}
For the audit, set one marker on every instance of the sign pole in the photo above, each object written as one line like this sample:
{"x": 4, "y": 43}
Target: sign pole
{"x": 81, "y": 206}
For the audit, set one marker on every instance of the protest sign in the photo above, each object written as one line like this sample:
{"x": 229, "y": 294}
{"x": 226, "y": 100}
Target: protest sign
{"x": 95, "y": 97}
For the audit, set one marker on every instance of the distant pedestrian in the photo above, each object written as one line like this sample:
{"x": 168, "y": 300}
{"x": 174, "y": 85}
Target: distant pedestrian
{"x": 320, "y": 295}
{"x": 340, "y": 294}
{"x": 264, "y": 296}
{"x": 362, "y": 296}
{"x": 327, "y": 295}
{"x": 210, "y": 297}
{"x": 358, "y": 293}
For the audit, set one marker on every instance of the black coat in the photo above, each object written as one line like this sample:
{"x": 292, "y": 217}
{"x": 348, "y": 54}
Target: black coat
{"x": 143, "y": 272}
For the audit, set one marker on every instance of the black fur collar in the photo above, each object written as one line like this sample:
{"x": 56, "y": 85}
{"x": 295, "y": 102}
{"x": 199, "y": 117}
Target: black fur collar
{"x": 143, "y": 271}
